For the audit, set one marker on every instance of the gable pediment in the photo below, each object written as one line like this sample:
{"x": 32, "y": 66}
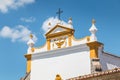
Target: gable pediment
{"x": 58, "y": 29}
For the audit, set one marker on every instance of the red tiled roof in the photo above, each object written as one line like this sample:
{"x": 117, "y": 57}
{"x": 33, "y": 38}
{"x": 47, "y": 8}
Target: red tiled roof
{"x": 116, "y": 70}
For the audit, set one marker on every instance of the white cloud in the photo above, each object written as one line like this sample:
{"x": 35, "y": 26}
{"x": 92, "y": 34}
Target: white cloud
{"x": 51, "y": 20}
{"x": 30, "y": 19}
{"x": 54, "y": 21}
{"x": 5, "y": 5}
{"x": 19, "y": 33}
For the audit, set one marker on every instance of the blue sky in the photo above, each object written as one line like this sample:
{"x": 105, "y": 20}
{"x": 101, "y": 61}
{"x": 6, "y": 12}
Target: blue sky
{"x": 19, "y": 18}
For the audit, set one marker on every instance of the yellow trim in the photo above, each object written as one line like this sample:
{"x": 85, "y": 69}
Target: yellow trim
{"x": 33, "y": 49}
{"x": 68, "y": 31}
{"x": 28, "y": 57}
{"x": 69, "y": 40}
{"x": 50, "y": 36}
{"x": 58, "y": 77}
{"x": 93, "y": 21}
{"x": 31, "y": 36}
{"x": 94, "y": 49}
{"x": 48, "y": 44}
{"x": 56, "y": 27}
{"x": 87, "y": 37}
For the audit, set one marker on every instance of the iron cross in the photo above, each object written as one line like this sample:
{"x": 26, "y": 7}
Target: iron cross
{"x": 59, "y": 13}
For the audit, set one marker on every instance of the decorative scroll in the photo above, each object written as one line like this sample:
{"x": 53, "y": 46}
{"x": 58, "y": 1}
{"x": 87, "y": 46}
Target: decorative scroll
{"x": 59, "y": 42}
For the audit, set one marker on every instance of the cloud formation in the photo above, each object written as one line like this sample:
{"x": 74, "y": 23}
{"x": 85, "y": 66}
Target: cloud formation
{"x": 19, "y": 33}
{"x": 5, "y": 5}
{"x": 28, "y": 20}
{"x": 53, "y": 21}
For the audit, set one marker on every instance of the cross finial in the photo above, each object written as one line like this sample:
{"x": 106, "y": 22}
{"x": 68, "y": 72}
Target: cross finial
{"x": 59, "y": 13}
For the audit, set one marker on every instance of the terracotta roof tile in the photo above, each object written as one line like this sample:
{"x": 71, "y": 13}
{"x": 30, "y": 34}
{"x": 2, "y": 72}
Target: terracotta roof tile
{"x": 115, "y": 70}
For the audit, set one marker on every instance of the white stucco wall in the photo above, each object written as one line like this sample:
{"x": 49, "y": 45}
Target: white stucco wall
{"x": 108, "y": 61}
{"x": 79, "y": 41}
{"x": 68, "y": 62}
{"x": 40, "y": 49}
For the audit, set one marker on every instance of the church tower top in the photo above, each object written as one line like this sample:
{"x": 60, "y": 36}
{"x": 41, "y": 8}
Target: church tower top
{"x": 30, "y": 44}
{"x": 93, "y": 31}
